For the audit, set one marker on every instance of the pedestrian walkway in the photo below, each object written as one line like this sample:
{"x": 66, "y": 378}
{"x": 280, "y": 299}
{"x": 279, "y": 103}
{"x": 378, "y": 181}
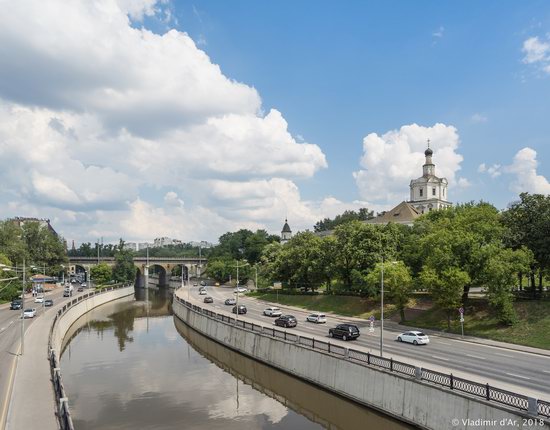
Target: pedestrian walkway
{"x": 32, "y": 403}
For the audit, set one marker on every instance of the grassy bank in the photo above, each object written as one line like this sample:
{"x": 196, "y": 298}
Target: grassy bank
{"x": 533, "y": 328}
{"x": 349, "y": 306}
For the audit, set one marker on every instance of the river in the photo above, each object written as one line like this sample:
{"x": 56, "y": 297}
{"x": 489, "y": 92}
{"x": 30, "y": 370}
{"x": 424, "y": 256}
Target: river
{"x": 129, "y": 365}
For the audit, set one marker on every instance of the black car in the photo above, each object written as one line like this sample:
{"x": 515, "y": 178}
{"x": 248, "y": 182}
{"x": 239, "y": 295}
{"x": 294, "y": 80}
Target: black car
{"x": 15, "y": 305}
{"x": 286, "y": 321}
{"x": 242, "y": 309}
{"x": 80, "y": 289}
{"x": 344, "y": 331}
{"x": 208, "y": 299}
{"x": 48, "y": 302}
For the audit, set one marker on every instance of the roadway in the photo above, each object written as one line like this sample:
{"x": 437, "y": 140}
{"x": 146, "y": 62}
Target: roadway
{"x": 10, "y": 339}
{"x": 519, "y": 371}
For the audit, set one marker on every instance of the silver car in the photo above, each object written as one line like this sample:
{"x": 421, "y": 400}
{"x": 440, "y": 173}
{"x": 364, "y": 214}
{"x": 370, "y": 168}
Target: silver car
{"x": 414, "y": 337}
{"x": 317, "y": 318}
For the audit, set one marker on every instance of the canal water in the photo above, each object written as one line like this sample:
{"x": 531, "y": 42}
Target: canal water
{"x": 132, "y": 365}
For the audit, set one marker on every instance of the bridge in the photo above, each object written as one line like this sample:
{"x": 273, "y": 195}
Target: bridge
{"x": 163, "y": 267}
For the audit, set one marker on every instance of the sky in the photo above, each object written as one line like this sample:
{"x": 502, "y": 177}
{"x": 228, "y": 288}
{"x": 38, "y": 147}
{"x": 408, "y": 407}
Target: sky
{"x": 137, "y": 119}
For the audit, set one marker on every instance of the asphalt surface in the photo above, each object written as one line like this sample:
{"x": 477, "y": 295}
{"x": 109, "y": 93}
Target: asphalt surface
{"x": 519, "y": 371}
{"x": 10, "y": 339}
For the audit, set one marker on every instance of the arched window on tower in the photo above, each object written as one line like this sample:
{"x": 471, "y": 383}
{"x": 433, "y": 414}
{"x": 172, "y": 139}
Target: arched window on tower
{"x": 421, "y": 192}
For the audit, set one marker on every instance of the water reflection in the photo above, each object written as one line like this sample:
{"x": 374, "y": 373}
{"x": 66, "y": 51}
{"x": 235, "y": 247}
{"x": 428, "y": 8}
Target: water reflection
{"x": 130, "y": 365}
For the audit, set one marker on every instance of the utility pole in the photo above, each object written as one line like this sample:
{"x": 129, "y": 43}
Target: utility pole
{"x": 23, "y": 310}
{"x": 382, "y": 310}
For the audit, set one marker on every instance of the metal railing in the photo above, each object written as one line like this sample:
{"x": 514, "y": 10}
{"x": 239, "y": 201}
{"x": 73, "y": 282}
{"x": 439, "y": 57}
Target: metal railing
{"x": 472, "y": 388}
{"x": 62, "y": 401}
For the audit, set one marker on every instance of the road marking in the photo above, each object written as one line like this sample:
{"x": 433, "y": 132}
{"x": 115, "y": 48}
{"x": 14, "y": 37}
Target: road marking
{"x": 546, "y": 371}
{"x": 504, "y": 355}
{"x": 444, "y": 343}
{"x": 440, "y": 358}
{"x": 517, "y": 376}
{"x": 476, "y": 356}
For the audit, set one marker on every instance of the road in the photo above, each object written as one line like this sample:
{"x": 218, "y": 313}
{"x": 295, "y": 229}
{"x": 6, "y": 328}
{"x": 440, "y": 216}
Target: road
{"x": 518, "y": 371}
{"x": 10, "y": 339}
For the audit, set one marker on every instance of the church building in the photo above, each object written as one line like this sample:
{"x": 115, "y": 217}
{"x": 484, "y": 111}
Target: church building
{"x": 286, "y": 233}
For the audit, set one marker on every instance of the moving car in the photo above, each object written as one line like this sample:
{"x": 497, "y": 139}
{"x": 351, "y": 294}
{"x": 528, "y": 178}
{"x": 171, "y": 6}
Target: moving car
{"x": 83, "y": 284}
{"x": 317, "y": 318}
{"x": 414, "y": 337}
{"x": 241, "y": 308}
{"x": 195, "y": 284}
{"x": 39, "y": 299}
{"x": 48, "y": 302}
{"x": 240, "y": 290}
{"x": 202, "y": 292}
{"x": 344, "y": 331}
{"x": 286, "y": 321}
{"x": 29, "y": 313}
{"x": 203, "y": 283}
{"x": 230, "y": 302}
{"x": 208, "y": 299}
{"x": 80, "y": 289}
{"x": 16, "y": 304}
{"x": 272, "y": 312}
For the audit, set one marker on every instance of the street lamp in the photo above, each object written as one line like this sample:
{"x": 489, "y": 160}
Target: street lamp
{"x": 382, "y": 307}
{"x": 237, "y": 287}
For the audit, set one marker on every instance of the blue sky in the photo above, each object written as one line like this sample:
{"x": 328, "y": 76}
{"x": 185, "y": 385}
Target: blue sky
{"x": 187, "y": 119}
{"x": 341, "y": 70}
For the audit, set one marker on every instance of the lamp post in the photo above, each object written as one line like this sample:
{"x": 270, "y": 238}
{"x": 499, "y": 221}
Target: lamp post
{"x": 237, "y": 288}
{"x": 382, "y": 309}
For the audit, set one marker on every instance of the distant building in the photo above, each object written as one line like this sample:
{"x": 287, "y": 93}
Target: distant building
{"x": 286, "y": 233}
{"x": 131, "y": 246}
{"x": 203, "y": 244}
{"x": 43, "y": 222}
{"x": 429, "y": 192}
{"x": 403, "y": 213}
{"x": 144, "y": 245}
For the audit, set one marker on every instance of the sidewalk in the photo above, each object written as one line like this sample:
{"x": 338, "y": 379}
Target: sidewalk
{"x": 32, "y": 403}
{"x": 392, "y": 325}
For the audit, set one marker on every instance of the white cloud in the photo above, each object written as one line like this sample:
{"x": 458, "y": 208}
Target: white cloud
{"x": 439, "y": 32}
{"x": 93, "y": 111}
{"x": 391, "y": 160}
{"x": 463, "y": 183}
{"x": 537, "y": 52}
{"x": 493, "y": 171}
{"x": 479, "y": 118}
{"x": 524, "y": 167}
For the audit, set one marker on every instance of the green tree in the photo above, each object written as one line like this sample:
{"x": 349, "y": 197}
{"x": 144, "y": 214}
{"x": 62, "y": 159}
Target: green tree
{"x": 124, "y": 269}
{"x": 101, "y": 274}
{"x": 397, "y": 283}
{"x": 325, "y": 224}
{"x": 446, "y": 287}
{"x": 219, "y": 270}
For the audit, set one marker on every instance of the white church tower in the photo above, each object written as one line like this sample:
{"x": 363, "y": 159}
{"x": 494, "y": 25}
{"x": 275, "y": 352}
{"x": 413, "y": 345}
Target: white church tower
{"x": 429, "y": 192}
{"x": 286, "y": 233}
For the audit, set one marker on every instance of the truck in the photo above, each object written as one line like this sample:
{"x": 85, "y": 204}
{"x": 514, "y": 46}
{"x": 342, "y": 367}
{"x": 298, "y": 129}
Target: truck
{"x": 68, "y": 291}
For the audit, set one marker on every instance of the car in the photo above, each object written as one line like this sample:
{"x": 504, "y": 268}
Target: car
{"x": 29, "y": 313}
{"x": 39, "y": 299}
{"x": 230, "y": 302}
{"x": 83, "y": 285}
{"x": 272, "y": 312}
{"x": 202, "y": 292}
{"x": 16, "y": 304}
{"x": 241, "y": 308}
{"x": 317, "y": 318}
{"x": 48, "y": 302}
{"x": 195, "y": 284}
{"x": 240, "y": 290}
{"x": 414, "y": 337}
{"x": 203, "y": 283}
{"x": 286, "y": 321}
{"x": 208, "y": 299}
{"x": 344, "y": 331}
{"x": 80, "y": 289}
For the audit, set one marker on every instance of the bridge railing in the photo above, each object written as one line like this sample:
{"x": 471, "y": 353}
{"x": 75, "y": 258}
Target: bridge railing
{"x": 510, "y": 399}
{"x": 62, "y": 401}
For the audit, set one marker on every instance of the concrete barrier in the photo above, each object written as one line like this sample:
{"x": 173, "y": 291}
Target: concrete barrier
{"x": 404, "y": 398}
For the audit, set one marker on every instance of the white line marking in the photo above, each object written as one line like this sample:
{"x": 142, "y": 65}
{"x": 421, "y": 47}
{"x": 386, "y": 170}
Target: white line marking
{"x": 517, "y": 376}
{"x": 504, "y": 355}
{"x": 443, "y": 343}
{"x": 476, "y": 356}
{"x": 546, "y": 371}
{"x": 440, "y": 358}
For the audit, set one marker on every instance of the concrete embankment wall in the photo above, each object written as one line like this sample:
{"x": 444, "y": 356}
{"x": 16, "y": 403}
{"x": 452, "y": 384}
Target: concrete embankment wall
{"x": 407, "y": 399}
{"x": 66, "y": 320}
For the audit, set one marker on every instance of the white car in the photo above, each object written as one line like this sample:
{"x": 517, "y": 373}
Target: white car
{"x": 39, "y": 299}
{"x": 83, "y": 284}
{"x": 317, "y": 318}
{"x": 240, "y": 290}
{"x": 29, "y": 313}
{"x": 272, "y": 312}
{"x": 415, "y": 337}
{"x": 202, "y": 292}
